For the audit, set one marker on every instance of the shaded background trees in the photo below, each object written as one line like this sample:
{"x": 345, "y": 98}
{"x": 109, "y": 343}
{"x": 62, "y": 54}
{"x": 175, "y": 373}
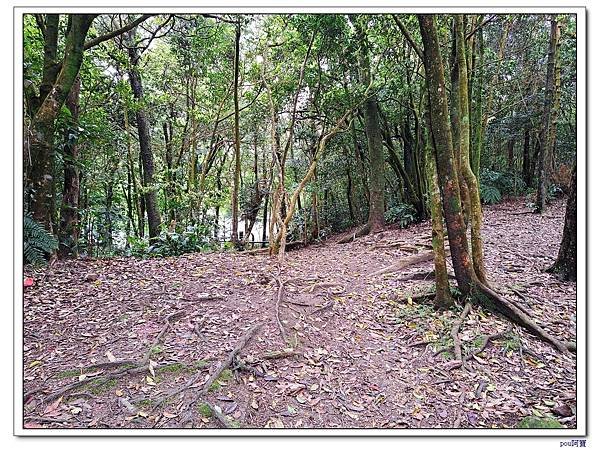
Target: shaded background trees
{"x": 179, "y": 121}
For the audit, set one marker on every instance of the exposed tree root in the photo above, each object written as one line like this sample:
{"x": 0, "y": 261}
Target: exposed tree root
{"x": 424, "y": 276}
{"x": 400, "y": 245}
{"x": 455, "y": 332}
{"x": 102, "y": 378}
{"x": 403, "y": 263}
{"x": 280, "y": 294}
{"x": 486, "y": 339}
{"x": 212, "y": 378}
{"x": 134, "y": 367}
{"x": 362, "y": 231}
{"x": 327, "y": 285}
{"x": 495, "y": 302}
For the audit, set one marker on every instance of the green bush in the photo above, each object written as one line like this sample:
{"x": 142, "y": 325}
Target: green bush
{"x": 493, "y": 185}
{"x": 489, "y": 194}
{"x": 37, "y": 242}
{"x": 401, "y": 214}
{"x": 173, "y": 243}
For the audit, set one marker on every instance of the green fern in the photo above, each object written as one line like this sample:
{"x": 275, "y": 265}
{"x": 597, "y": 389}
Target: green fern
{"x": 37, "y": 242}
{"x": 490, "y": 194}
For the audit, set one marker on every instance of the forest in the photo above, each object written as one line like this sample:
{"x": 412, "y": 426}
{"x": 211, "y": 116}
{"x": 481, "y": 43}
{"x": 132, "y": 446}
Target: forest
{"x": 299, "y": 220}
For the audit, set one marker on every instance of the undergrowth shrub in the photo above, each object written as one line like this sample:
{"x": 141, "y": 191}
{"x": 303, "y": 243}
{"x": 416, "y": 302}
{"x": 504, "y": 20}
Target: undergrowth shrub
{"x": 173, "y": 243}
{"x": 494, "y": 185}
{"x": 401, "y": 214}
{"x": 37, "y": 242}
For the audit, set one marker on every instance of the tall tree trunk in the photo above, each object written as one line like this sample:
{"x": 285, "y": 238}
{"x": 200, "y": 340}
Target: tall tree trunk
{"x": 441, "y": 134}
{"x": 465, "y": 165}
{"x": 477, "y": 109}
{"x": 443, "y": 297}
{"x": 468, "y": 282}
{"x": 236, "y": 140}
{"x": 456, "y": 117}
{"x": 526, "y": 172}
{"x": 376, "y": 158}
{"x": 546, "y": 133}
{"x": 566, "y": 262}
{"x": 145, "y": 141}
{"x": 42, "y": 125}
{"x": 510, "y": 154}
{"x": 69, "y": 214}
{"x": 169, "y": 194}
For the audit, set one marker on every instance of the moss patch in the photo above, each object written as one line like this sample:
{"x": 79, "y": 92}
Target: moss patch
{"x": 539, "y": 422}
{"x": 145, "y": 403}
{"x": 225, "y": 376}
{"x": 205, "y": 410}
{"x": 172, "y": 368}
{"x": 68, "y": 374}
{"x": 201, "y": 364}
{"x": 100, "y": 386}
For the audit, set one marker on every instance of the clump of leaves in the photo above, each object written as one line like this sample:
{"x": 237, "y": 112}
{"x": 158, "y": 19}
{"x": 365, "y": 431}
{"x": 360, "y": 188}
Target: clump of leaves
{"x": 494, "y": 185}
{"x": 538, "y": 422}
{"x": 401, "y": 214}
{"x": 37, "y": 242}
{"x": 174, "y": 243}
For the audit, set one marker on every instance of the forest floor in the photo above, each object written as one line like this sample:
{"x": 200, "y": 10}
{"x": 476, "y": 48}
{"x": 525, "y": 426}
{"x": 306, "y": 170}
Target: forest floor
{"x": 364, "y": 353}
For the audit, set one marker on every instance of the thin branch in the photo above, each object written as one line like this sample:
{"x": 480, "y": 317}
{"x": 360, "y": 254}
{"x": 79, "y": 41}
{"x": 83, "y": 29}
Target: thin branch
{"x": 408, "y": 37}
{"x": 117, "y": 32}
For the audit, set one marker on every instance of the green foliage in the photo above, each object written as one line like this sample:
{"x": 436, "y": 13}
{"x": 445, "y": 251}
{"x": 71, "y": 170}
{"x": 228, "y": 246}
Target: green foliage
{"x": 494, "y": 185}
{"x": 401, "y": 214}
{"x": 37, "y": 242}
{"x": 172, "y": 243}
{"x": 489, "y": 194}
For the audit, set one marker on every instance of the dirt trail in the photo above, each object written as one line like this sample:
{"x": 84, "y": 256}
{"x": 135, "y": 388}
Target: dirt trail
{"x": 366, "y": 353}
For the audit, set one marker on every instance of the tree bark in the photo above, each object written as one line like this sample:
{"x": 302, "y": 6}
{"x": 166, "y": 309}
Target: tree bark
{"x": 549, "y": 112}
{"x": 441, "y": 134}
{"x": 374, "y": 142}
{"x": 145, "y": 141}
{"x": 42, "y": 126}
{"x": 465, "y": 165}
{"x": 526, "y": 172}
{"x": 443, "y": 297}
{"x": 69, "y": 215}
{"x": 236, "y": 140}
{"x": 566, "y": 262}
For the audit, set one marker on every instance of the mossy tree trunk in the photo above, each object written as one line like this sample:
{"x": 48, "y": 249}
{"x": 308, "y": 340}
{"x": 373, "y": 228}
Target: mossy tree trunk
{"x": 468, "y": 282}
{"x": 43, "y": 122}
{"x": 465, "y": 165}
{"x": 374, "y": 141}
{"x": 443, "y": 297}
{"x": 550, "y": 110}
{"x": 236, "y": 140}
{"x": 443, "y": 146}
